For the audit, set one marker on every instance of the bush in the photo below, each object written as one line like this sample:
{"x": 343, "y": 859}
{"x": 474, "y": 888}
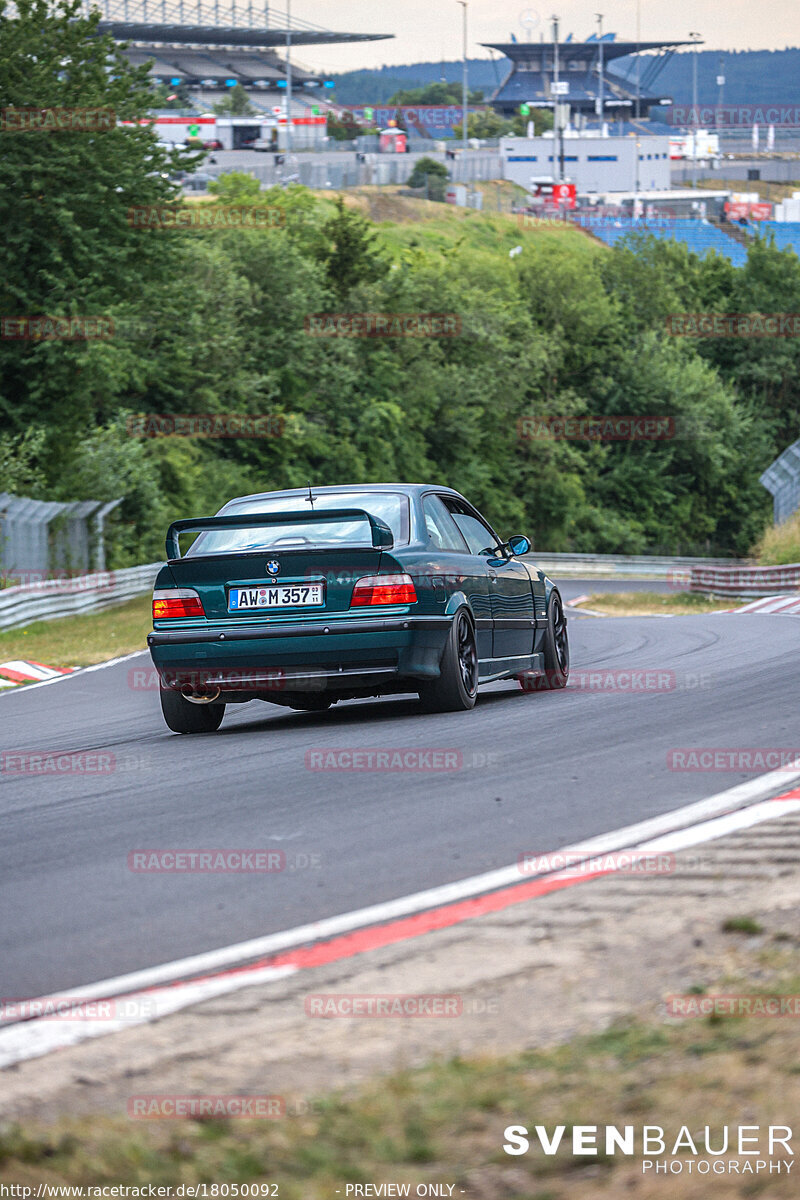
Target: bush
{"x": 431, "y": 175}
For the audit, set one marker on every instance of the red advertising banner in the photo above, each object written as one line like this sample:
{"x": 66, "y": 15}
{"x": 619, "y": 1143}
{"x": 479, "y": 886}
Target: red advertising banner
{"x": 561, "y": 195}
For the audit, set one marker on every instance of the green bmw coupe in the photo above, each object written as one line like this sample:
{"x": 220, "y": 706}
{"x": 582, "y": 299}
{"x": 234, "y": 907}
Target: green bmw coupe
{"x": 310, "y": 596}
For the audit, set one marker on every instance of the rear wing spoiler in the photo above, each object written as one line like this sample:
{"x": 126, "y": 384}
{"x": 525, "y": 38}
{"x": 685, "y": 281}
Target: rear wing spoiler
{"x": 381, "y": 533}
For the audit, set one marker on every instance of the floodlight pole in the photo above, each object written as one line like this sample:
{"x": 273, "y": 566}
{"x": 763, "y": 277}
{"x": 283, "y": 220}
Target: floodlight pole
{"x": 695, "y": 38}
{"x": 600, "y": 96}
{"x": 638, "y": 59}
{"x": 463, "y": 4}
{"x": 288, "y": 76}
{"x": 557, "y": 130}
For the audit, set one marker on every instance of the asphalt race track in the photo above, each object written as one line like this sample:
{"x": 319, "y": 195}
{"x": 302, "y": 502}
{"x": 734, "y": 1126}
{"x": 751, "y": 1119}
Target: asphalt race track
{"x": 537, "y": 771}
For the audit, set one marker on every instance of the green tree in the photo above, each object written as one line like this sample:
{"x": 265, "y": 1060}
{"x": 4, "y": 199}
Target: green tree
{"x": 69, "y": 244}
{"x": 542, "y": 120}
{"x": 235, "y": 103}
{"x": 236, "y": 187}
{"x": 350, "y": 251}
{"x": 435, "y": 93}
{"x": 430, "y": 174}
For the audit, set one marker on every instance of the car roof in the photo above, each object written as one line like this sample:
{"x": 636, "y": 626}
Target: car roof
{"x": 409, "y": 489}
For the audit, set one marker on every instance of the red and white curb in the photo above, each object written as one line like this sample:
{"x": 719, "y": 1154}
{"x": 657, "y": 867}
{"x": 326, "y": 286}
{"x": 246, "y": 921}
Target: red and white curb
{"x": 786, "y": 605}
{"x": 156, "y": 992}
{"x": 58, "y": 675}
{"x": 571, "y": 606}
{"x": 20, "y": 670}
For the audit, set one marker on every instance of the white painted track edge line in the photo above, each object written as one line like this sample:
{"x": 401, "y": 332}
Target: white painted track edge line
{"x": 22, "y": 689}
{"x": 734, "y": 798}
{"x": 35, "y": 1038}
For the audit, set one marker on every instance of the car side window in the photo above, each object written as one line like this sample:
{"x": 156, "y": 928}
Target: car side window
{"x": 478, "y": 536}
{"x": 442, "y": 531}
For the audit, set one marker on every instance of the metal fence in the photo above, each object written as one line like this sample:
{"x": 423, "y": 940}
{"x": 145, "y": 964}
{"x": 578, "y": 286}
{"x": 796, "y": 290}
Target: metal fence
{"x": 782, "y": 479}
{"x": 386, "y": 170}
{"x": 38, "y": 537}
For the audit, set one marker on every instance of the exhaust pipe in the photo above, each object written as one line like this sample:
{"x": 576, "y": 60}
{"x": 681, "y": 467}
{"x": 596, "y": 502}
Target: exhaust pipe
{"x": 194, "y": 697}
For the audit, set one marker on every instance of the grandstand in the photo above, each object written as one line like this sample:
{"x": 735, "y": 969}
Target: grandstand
{"x": 698, "y": 236}
{"x": 212, "y": 45}
{"x": 533, "y": 69}
{"x": 786, "y": 233}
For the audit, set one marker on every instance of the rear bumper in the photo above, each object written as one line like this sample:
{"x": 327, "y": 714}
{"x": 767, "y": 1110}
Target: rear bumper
{"x": 344, "y": 654}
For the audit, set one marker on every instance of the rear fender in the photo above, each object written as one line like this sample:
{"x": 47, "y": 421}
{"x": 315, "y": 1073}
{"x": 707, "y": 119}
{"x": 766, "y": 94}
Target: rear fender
{"x": 456, "y": 601}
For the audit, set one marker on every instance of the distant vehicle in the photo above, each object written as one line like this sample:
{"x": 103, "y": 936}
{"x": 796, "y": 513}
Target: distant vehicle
{"x": 262, "y": 144}
{"x": 213, "y": 144}
{"x": 306, "y": 597}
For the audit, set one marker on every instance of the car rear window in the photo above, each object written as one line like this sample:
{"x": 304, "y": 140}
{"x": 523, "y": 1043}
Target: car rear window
{"x": 390, "y": 507}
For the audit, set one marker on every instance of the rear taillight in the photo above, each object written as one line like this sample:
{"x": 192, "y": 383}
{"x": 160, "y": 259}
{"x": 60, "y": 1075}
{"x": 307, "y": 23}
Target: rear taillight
{"x": 176, "y": 602}
{"x": 384, "y": 589}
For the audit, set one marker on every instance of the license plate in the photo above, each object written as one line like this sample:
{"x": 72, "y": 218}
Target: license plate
{"x": 276, "y": 595}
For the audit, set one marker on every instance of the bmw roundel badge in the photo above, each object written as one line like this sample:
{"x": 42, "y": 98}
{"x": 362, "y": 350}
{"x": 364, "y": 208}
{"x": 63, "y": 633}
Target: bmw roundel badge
{"x": 273, "y": 566}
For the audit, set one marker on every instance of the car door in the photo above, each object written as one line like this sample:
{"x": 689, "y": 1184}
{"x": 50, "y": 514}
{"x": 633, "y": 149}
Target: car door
{"x": 454, "y": 568}
{"x": 510, "y": 587}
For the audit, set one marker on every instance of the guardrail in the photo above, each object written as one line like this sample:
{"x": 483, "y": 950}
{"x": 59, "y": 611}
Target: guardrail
{"x": 625, "y": 566}
{"x": 46, "y": 599}
{"x": 750, "y": 582}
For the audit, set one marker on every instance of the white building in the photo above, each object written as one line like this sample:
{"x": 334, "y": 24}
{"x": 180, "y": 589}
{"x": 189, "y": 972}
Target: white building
{"x": 592, "y": 162}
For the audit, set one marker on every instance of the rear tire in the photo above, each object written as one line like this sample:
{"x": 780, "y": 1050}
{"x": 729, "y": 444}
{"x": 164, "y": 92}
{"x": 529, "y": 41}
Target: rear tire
{"x": 183, "y": 717}
{"x": 456, "y": 688}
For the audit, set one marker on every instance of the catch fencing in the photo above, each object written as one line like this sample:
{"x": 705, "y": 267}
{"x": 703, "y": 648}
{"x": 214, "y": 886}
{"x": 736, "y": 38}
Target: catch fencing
{"x": 782, "y": 479}
{"x": 39, "y": 537}
{"x": 384, "y": 171}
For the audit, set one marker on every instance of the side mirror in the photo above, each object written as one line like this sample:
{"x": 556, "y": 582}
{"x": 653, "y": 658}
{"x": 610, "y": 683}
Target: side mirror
{"x": 519, "y": 544}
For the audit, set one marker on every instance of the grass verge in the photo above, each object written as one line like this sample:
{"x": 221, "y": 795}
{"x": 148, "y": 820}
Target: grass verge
{"x": 444, "y": 1123}
{"x": 647, "y": 604}
{"x": 82, "y": 640}
{"x": 780, "y": 544}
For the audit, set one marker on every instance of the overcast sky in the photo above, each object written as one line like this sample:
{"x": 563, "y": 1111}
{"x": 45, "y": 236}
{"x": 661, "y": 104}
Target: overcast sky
{"x": 429, "y": 30}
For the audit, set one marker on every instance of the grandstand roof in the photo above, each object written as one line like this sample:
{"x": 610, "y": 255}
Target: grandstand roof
{"x": 228, "y": 35}
{"x": 579, "y": 51}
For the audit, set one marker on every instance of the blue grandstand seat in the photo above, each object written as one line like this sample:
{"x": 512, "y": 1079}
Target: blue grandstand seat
{"x": 787, "y": 233}
{"x": 699, "y": 236}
